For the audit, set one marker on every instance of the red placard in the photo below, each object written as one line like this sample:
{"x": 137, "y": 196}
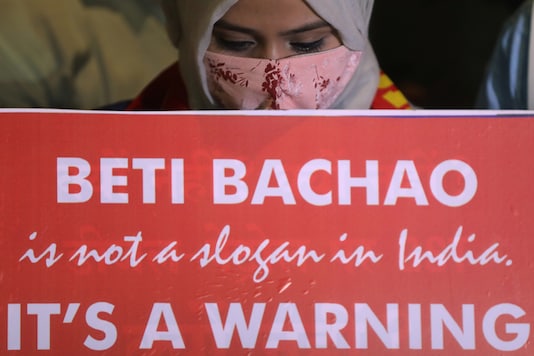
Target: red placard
{"x": 196, "y": 233}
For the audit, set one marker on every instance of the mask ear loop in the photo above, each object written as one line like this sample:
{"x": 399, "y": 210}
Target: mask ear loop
{"x": 530, "y": 90}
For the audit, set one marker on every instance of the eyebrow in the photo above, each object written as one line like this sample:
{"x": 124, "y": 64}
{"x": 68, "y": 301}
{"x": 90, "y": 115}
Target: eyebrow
{"x": 222, "y": 24}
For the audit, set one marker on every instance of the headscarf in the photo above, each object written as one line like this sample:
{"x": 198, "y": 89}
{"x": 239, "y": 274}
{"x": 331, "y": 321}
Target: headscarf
{"x": 190, "y": 24}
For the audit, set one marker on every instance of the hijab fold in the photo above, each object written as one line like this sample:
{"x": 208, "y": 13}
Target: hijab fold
{"x": 190, "y": 24}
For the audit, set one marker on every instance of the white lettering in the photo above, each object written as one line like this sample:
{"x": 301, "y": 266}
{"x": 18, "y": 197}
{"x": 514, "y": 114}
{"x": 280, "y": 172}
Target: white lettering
{"x": 50, "y": 253}
{"x": 470, "y": 183}
{"x": 304, "y": 182}
{"x": 13, "y": 326}
{"x": 288, "y": 312}
{"x": 162, "y": 311}
{"x": 415, "y": 328}
{"x": 365, "y": 316}
{"x": 248, "y": 333}
{"x": 106, "y": 327}
{"x": 520, "y": 330}
{"x": 324, "y": 329}
{"x": 405, "y": 169}
{"x": 149, "y": 166}
{"x": 74, "y": 184}
{"x": 440, "y": 317}
{"x": 113, "y": 254}
{"x": 346, "y": 182}
{"x": 449, "y": 253}
{"x": 177, "y": 181}
{"x": 43, "y": 313}
{"x": 65, "y": 180}
{"x": 108, "y": 181}
{"x": 244, "y": 254}
{"x": 221, "y": 181}
{"x": 273, "y": 168}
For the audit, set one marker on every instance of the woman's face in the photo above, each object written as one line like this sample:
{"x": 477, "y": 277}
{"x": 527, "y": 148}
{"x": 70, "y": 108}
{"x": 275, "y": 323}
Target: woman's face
{"x": 272, "y": 29}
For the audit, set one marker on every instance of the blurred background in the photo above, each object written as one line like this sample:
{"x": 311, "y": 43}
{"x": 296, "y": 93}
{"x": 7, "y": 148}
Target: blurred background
{"x": 84, "y": 54}
{"x": 79, "y": 54}
{"x": 436, "y": 51}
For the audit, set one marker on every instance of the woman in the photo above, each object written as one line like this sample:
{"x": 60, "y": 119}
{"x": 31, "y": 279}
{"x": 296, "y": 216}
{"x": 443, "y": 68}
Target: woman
{"x": 276, "y": 54}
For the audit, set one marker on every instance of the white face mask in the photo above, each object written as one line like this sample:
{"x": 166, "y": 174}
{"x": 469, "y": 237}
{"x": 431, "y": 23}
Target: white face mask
{"x": 311, "y": 81}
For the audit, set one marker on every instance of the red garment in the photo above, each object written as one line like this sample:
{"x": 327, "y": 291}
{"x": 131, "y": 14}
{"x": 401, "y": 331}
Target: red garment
{"x": 167, "y": 92}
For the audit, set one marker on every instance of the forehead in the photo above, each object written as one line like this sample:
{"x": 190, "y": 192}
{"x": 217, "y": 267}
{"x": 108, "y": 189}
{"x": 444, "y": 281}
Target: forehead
{"x": 271, "y": 15}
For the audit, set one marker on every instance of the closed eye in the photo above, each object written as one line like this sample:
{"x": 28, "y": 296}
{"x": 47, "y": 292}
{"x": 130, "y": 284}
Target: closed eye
{"x": 307, "y": 47}
{"x": 233, "y": 45}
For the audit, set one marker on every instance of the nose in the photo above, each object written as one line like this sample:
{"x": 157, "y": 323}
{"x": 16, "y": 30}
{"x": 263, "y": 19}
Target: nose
{"x": 273, "y": 50}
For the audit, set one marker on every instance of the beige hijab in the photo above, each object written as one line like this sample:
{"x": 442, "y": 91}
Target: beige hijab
{"x": 190, "y": 24}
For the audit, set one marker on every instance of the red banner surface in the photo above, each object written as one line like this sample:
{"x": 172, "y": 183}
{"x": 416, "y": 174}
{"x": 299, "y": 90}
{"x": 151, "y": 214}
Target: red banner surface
{"x": 143, "y": 234}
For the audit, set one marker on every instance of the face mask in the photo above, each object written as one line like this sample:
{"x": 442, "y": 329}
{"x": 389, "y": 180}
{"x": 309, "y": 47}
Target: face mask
{"x": 311, "y": 81}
